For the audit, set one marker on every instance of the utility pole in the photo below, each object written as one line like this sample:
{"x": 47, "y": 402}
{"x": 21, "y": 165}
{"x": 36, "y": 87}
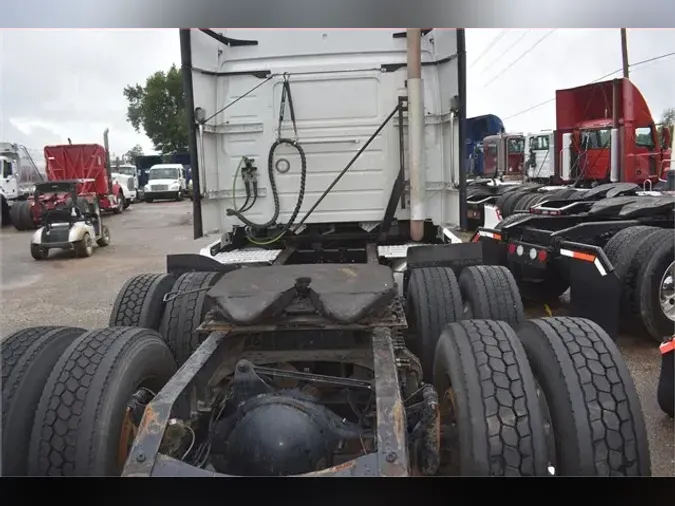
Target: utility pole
{"x": 624, "y": 52}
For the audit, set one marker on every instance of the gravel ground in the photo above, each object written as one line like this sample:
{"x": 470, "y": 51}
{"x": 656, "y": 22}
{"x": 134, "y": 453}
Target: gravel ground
{"x": 69, "y": 291}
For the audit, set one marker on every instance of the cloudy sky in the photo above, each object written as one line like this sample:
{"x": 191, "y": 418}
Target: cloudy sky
{"x": 68, "y": 83}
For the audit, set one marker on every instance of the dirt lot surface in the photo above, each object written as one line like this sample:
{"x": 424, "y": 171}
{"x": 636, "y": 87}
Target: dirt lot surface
{"x": 80, "y": 292}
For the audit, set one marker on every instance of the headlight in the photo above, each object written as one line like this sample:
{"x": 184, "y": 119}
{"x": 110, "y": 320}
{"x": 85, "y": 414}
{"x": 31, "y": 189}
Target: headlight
{"x": 146, "y": 188}
{"x": 175, "y": 186}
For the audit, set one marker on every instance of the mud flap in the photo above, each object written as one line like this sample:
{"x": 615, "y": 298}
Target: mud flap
{"x": 594, "y": 286}
{"x": 455, "y": 256}
{"x": 494, "y": 248}
{"x": 181, "y": 263}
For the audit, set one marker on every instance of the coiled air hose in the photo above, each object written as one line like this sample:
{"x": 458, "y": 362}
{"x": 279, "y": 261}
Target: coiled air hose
{"x": 275, "y": 195}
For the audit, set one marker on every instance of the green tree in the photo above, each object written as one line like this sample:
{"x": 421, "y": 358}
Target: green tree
{"x": 667, "y": 121}
{"x": 130, "y": 156}
{"x": 668, "y": 117}
{"x": 158, "y": 108}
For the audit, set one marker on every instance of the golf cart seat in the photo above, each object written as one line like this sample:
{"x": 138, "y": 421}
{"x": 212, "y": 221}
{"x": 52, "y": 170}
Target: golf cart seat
{"x": 339, "y": 292}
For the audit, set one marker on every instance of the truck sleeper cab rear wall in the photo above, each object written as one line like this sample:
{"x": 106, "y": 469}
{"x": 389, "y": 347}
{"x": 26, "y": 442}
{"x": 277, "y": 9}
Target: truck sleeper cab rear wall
{"x": 343, "y": 83}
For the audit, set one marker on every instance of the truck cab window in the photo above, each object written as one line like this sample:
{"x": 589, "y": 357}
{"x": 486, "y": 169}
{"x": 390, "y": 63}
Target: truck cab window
{"x": 643, "y": 138}
{"x": 595, "y": 139}
{"x": 516, "y": 145}
{"x": 539, "y": 143}
{"x": 6, "y": 168}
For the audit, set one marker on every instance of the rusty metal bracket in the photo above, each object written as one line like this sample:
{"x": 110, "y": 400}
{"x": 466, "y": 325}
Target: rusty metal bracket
{"x": 392, "y": 446}
{"x": 145, "y": 449}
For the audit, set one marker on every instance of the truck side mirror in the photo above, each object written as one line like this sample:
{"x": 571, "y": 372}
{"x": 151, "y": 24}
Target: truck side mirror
{"x": 665, "y": 138}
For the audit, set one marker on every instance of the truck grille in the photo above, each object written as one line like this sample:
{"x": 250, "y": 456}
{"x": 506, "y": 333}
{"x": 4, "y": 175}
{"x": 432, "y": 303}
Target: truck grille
{"x": 131, "y": 185}
{"x": 159, "y": 188}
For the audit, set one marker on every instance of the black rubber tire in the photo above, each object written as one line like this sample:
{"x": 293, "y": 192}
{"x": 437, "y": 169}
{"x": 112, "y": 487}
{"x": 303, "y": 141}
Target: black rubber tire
{"x": 502, "y": 198}
{"x": 622, "y": 241}
{"x": 104, "y": 240}
{"x": 6, "y": 214}
{"x": 524, "y": 203}
{"x": 595, "y": 412}
{"x": 489, "y": 292}
{"x": 652, "y": 268}
{"x": 28, "y": 357}
{"x": 16, "y": 214}
{"x": 631, "y": 270}
{"x": 140, "y": 303}
{"x": 621, "y": 250}
{"x": 433, "y": 299}
{"x": 509, "y": 202}
{"x": 38, "y": 252}
{"x": 665, "y": 393}
{"x": 80, "y": 414}
{"x": 513, "y": 204}
{"x": 185, "y": 313}
{"x": 81, "y": 247}
{"x": 498, "y": 418}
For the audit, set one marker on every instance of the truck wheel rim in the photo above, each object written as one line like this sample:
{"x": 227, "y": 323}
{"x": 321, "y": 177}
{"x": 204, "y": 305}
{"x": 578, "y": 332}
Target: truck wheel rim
{"x": 667, "y": 292}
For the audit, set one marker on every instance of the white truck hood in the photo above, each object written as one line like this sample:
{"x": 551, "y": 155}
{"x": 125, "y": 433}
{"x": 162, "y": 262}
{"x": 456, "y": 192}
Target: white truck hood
{"x": 169, "y": 182}
{"x": 116, "y": 176}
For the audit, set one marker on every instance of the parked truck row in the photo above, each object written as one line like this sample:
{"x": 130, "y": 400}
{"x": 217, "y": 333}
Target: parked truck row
{"x": 87, "y": 163}
{"x": 604, "y": 134}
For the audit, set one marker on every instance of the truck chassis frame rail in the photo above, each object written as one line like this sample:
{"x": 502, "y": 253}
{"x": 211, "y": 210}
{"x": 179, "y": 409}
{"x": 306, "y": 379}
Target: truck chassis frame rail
{"x": 389, "y": 460}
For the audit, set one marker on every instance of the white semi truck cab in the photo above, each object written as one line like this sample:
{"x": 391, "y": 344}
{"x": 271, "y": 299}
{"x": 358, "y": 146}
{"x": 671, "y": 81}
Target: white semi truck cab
{"x": 18, "y": 177}
{"x": 126, "y": 177}
{"x": 540, "y": 155}
{"x": 282, "y": 119}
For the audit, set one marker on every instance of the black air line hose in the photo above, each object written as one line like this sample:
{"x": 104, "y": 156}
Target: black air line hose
{"x": 275, "y": 193}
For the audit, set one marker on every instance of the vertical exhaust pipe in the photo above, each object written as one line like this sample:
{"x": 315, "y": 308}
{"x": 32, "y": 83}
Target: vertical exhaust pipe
{"x": 461, "y": 130}
{"x": 106, "y": 145}
{"x": 615, "y": 139}
{"x": 416, "y": 134}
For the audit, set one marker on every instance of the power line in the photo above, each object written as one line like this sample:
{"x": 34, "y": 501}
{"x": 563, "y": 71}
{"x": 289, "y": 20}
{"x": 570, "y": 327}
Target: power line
{"x": 500, "y": 74}
{"x": 642, "y": 62}
{"x": 506, "y": 50}
{"x": 490, "y": 45}
{"x": 652, "y": 59}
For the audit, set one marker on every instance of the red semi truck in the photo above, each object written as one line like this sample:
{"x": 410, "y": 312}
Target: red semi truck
{"x": 74, "y": 161}
{"x": 606, "y": 133}
{"x": 503, "y": 155}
